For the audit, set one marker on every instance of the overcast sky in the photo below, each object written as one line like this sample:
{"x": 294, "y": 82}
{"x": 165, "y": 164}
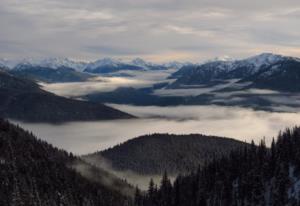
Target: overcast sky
{"x": 157, "y": 30}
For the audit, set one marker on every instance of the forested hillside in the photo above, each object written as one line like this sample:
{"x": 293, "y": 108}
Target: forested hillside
{"x": 154, "y": 154}
{"x": 252, "y": 175}
{"x": 32, "y": 172}
{"x": 23, "y": 99}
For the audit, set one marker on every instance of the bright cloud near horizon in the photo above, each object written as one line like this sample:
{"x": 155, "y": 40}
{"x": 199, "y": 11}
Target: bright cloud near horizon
{"x": 190, "y": 30}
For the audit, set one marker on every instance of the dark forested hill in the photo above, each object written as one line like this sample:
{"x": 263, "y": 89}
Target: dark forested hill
{"x": 153, "y": 154}
{"x": 23, "y": 99}
{"x": 50, "y": 75}
{"x": 33, "y": 172}
{"x": 252, "y": 175}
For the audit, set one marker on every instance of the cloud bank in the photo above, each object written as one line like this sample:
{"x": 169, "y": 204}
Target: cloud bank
{"x": 239, "y": 123}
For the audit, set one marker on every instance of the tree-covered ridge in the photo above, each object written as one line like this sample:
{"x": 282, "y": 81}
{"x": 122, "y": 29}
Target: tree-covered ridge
{"x": 254, "y": 175}
{"x": 22, "y": 99}
{"x": 32, "y": 172}
{"x": 156, "y": 153}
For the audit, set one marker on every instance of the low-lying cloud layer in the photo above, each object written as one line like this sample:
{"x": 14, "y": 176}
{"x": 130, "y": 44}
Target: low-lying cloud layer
{"x": 102, "y": 84}
{"x": 239, "y": 123}
{"x": 139, "y": 79}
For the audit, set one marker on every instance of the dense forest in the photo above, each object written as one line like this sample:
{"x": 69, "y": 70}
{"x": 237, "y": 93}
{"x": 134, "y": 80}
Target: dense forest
{"x": 254, "y": 175}
{"x": 156, "y": 153}
{"x": 33, "y": 172}
{"x": 23, "y": 99}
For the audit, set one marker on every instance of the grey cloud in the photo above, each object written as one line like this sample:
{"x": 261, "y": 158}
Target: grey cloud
{"x": 151, "y": 29}
{"x": 109, "y": 50}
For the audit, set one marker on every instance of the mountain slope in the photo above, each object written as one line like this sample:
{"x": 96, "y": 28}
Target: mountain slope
{"x": 262, "y": 71}
{"x": 153, "y": 154}
{"x": 22, "y": 99}
{"x": 35, "y": 173}
{"x": 281, "y": 76}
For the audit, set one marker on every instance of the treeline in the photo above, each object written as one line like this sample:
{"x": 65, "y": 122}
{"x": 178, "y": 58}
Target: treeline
{"x": 249, "y": 176}
{"x": 33, "y": 172}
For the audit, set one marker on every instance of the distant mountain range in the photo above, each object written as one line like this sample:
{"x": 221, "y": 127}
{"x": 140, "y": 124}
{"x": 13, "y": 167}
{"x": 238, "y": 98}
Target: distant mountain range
{"x": 261, "y": 81}
{"x": 265, "y": 71}
{"x": 104, "y": 63}
{"x": 23, "y": 99}
{"x": 265, "y": 82}
{"x": 157, "y": 153}
{"x": 53, "y": 70}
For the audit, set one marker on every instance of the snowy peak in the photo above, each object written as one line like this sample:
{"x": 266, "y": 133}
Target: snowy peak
{"x": 147, "y": 65}
{"x": 62, "y": 62}
{"x": 257, "y": 69}
{"x": 176, "y": 64}
{"x": 139, "y": 62}
{"x": 103, "y": 62}
{"x": 264, "y": 59}
{"x": 172, "y": 64}
{"x": 249, "y": 65}
{"x": 7, "y": 63}
{"x": 53, "y": 63}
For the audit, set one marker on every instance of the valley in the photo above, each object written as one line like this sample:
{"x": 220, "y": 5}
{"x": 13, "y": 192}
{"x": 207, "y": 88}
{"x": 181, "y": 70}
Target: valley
{"x": 223, "y": 83}
{"x": 134, "y": 121}
{"x": 149, "y": 103}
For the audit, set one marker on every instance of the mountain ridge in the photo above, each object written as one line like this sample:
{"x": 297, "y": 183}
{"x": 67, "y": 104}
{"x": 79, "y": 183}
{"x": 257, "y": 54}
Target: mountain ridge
{"x": 23, "y": 99}
{"x": 262, "y": 67}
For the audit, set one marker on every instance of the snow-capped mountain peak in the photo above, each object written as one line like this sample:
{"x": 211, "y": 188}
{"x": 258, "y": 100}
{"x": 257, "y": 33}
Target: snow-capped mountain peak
{"x": 61, "y": 62}
{"x": 103, "y": 62}
{"x": 7, "y": 63}
{"x": 139, "y": 62}
{"x": 264, "y": 59}
{"x": 53, "y": 63}
{"x": 176, "y": 64}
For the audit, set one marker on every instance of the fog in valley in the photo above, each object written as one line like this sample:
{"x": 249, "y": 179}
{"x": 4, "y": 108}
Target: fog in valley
{"x": 235, "y": 122}
{"x": 134, "y": 79}
{"x": 239, "y": 123}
